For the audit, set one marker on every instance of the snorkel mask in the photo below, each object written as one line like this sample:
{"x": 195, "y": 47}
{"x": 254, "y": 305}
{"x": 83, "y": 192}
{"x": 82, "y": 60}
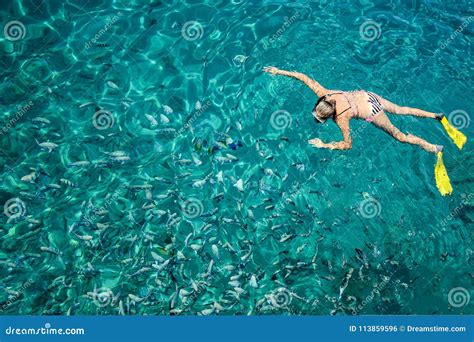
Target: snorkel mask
{"x": 318, "y": 119}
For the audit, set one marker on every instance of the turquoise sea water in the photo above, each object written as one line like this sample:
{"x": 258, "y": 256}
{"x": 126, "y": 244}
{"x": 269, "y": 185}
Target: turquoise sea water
{"x": 148, "y": 166}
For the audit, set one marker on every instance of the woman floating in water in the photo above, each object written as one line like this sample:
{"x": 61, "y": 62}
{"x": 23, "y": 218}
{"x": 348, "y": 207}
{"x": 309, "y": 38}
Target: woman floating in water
{"x": 342, "y": 106}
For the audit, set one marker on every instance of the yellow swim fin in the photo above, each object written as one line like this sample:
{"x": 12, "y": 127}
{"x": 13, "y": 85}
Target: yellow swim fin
{"x": 458, "y": 137}
{"x": 441, "y": 176}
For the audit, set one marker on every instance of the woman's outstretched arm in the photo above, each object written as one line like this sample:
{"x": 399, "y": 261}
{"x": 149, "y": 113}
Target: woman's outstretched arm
{"x": 312, "y": 84}
{"x": 345, "y": 144}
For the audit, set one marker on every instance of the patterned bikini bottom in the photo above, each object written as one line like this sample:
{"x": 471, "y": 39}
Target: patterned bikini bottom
{"x": 376, "y": 106}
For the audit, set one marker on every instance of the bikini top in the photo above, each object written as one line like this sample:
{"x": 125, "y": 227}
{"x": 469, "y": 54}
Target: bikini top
{"x": 345, "y": 96}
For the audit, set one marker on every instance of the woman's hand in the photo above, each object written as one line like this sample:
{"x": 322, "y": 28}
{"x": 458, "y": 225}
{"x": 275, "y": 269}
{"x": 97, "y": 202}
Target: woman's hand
{"x": 317, "y": 143}
{"x": 272, "y": 70}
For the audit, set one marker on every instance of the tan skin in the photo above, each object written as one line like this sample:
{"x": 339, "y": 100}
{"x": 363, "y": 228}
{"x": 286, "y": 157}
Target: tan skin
{"x": 343, "y": 116}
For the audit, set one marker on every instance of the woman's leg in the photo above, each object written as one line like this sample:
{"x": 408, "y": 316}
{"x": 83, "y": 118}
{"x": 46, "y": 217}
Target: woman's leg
{"x": 395, "y": 109}
{"x": 382, "y": 121}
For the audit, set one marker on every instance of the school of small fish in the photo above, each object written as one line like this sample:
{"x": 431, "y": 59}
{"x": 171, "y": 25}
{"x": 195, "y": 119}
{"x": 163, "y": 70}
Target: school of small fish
{"x": 181, "y": 232}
